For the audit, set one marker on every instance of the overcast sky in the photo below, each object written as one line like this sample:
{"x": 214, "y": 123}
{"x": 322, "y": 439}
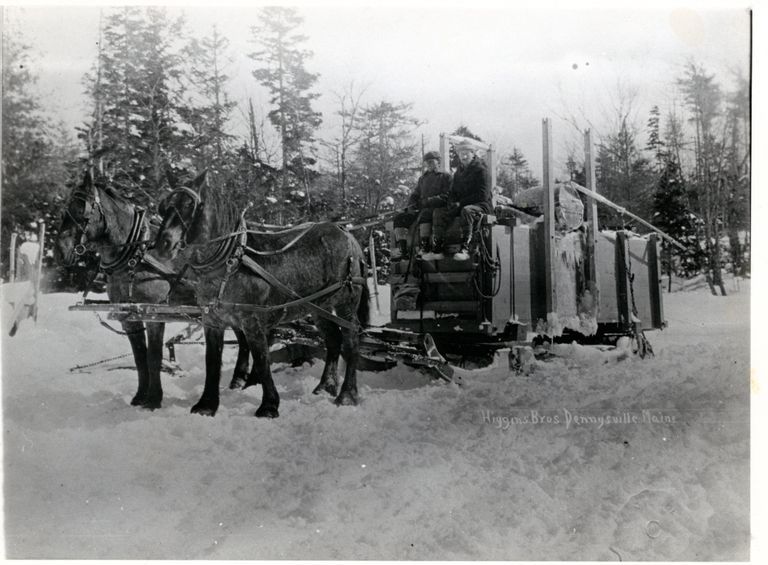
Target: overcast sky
{"x": 496, "y": 70}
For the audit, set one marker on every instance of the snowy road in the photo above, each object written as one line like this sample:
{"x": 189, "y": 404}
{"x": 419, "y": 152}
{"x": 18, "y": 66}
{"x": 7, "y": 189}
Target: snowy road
{"x": 587, "y": 458}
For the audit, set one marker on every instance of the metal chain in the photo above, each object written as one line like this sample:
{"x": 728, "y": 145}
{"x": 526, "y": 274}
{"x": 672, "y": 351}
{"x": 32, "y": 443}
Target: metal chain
{"x": 79, "y": 367}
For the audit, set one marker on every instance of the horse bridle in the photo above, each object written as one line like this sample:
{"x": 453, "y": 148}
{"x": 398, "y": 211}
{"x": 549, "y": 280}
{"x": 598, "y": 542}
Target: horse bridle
{"x": 82, "y": 226}
{"x": 185, "y": 227}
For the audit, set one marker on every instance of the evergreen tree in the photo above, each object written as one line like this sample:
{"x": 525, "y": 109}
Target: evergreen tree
{"x": 623, "y": 175}
{"x": 386, "y": 158}
{"x": 35, "y": 150}
{"x": 515, "y": 174}
{"x": 209, "y": 108}
{"x": 672, "y": 215}
{"x": 655, "y": 143}
{"x": 738, "y": 175}
{"x": 703, "y": 98}
{"x": 136, "y": 95}
{"x": 282, "y": 71}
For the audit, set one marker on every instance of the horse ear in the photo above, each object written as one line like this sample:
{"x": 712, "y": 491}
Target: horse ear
{"x": 200, "y": 180}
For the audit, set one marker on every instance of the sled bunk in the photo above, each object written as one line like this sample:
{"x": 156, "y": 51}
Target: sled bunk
{"x": 139, "y": 312}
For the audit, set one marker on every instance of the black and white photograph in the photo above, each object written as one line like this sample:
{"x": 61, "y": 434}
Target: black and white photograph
{"x": 423, "y": 281}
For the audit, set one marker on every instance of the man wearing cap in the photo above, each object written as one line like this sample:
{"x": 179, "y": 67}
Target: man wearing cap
{"x": 431, "y": 193}
{"x": 470, "y": 197}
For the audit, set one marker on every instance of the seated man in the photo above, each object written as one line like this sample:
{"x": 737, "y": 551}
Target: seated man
{"x": 470, "y": 197}
{"x": 431, "y": 192}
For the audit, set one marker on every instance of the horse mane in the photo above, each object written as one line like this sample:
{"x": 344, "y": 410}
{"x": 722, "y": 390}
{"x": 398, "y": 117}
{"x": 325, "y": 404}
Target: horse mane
{"x": 224, "y": 215}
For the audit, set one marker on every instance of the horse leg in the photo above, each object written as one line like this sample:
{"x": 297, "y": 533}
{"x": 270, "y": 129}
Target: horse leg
{"x": 329, "y": 382}
{"x": 136, "y": 336}
{"x": 351, "y": 353}
{"x": 214, "y": 345}
{"x": 154, "y": 396}
{"x": 241, "y": 366}
{"x": 259, "y": 345}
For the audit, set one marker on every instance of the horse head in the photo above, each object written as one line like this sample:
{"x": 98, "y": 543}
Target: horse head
{"x": 82, "y": 222}
{"x": 181, "y": 211}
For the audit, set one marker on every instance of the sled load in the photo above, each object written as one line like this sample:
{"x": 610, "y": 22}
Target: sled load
{"x": 541, "y": 270}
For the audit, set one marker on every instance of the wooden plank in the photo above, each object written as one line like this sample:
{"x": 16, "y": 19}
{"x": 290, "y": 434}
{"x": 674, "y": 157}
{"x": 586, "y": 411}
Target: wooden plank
{"x": 128, "y": 308}
{"x": 593, "y": 284}
{"x": 521, "y": 283}
{"x": 502, "y": 304}
{"x": 12, "y": 258}
{"x": 548, "y": 183}
{"x": 654, "y": 276}
{"x": 605, "y": 264}
{"x": 640, "y": 284}
{"x": 457, "y": 306}
{"x": 622, "y": 281}
{"x": 39, "y": 268}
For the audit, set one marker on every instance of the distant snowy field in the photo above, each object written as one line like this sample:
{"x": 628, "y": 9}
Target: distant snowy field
{"x": 589, "y": 457}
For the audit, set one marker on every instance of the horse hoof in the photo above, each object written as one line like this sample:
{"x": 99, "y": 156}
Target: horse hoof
{"x": 237, "y": 383}
{"x": 151, "y": 405}
{"x": 138, "y": 400}
{"x": 267, "y": 412}
{"x": 330, "y": 388}
{"x": 346, "y": 398}
{"x": 203, "y": 410}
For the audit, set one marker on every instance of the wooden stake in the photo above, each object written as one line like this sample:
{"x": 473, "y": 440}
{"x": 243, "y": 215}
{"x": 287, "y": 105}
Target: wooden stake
{"x": 589, "y": 170}
{"x": 12, "y": 262}
{"x": 372, "y": 252}
{"x": 550, "y": 248}
{"x": 39, "y": 269}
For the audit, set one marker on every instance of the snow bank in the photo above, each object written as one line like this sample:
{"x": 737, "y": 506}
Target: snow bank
{"x": 592, "y": 456}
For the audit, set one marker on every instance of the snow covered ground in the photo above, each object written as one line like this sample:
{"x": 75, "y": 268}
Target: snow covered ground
{"x": 589, "y": 457}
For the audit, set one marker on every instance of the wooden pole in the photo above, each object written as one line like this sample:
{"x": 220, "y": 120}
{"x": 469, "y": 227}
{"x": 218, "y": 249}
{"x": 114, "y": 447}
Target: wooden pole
{"x": 372, "y": 252}
{"x": 12, "y": 258}
{"x": 592, "y": 226}
{"x": 492, "y": 171}
{"x": 550, "y": 247}
{"x": 39, "y": 268}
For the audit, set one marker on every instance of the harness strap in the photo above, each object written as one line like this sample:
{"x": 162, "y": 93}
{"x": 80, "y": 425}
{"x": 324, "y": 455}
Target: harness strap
{"x": 285, "y": 248}
{"x": 298, "y": 302}
{"x": 259, "y": 270}
{"x": 130, "y": 247}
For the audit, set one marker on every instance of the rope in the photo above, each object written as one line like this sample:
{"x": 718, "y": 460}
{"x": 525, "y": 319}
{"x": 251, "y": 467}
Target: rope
{"x": 487, "y": 261}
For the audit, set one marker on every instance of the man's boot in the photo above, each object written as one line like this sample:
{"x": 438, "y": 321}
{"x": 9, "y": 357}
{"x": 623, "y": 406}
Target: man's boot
{"x": 437, "y": 249}
{"x": 425, "y": 245}
{"x": 463, "y": 253}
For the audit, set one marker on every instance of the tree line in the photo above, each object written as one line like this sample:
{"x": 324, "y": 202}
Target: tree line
{"x": 160, "y": 105}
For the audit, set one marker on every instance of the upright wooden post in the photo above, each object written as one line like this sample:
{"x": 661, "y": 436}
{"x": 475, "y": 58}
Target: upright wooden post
{"x": 39, "y": 268}
{"x": 550, "y": 247}
{"x": 445, "y": 154}
{"x": 492, "y": 170}
{"x": 592, "y": 227}
{"x": 12, "y": 258}
{"x": 372, "y": 253}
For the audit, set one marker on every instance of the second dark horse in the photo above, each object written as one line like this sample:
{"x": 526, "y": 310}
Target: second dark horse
{"x": 256, "y": 280}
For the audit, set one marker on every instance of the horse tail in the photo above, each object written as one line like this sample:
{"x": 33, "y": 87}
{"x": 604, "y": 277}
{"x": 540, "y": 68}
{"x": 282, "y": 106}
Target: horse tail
{"x": 364, "y": 307}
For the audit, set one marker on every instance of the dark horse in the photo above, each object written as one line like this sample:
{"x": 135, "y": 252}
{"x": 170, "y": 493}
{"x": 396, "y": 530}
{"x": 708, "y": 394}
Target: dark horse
{"x": 255, "y": 280}
{"x": 97, "y": 217}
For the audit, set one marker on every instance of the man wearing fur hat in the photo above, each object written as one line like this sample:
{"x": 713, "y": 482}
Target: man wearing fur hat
{"x": 470, "y": 197}
{"x": 431, "y": 193}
